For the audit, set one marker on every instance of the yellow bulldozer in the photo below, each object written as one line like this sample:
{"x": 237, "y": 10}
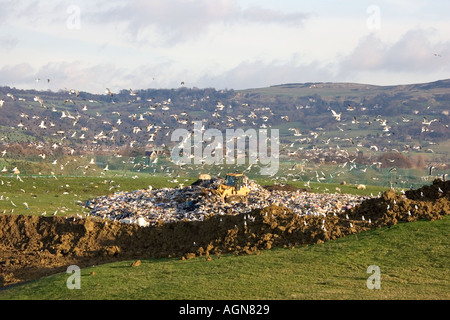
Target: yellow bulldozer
{"x": 234, "y": 189}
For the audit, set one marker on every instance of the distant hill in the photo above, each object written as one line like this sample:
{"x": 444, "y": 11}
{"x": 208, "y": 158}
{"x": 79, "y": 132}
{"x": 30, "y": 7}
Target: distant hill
{"x": 330, "y": 89}
{"x": 314, "y": 119}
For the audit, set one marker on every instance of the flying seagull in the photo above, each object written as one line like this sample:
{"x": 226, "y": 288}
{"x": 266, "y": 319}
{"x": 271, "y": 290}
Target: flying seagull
{"x": 337, "y": 116}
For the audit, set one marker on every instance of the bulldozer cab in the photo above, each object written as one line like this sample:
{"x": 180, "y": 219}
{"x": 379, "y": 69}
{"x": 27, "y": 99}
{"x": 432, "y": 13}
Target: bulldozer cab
{"x": 234, "y": 188}
{"x": 235, "y": 180}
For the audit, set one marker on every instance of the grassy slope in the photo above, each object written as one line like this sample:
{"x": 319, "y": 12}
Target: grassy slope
{"x": 413, "y": 260}
{"x": 346, "y": 90}
{"x": 63, "y": 194}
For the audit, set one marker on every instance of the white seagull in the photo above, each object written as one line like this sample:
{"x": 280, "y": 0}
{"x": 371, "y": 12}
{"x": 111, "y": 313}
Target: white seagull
{"x": 336, "y": 115}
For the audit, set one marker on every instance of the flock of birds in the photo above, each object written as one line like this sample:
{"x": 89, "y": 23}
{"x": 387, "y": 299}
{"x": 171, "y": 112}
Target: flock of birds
{"x": 77, "y": 127}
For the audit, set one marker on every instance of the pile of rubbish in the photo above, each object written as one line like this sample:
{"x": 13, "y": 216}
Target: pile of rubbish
{"x": 195, "y": 202}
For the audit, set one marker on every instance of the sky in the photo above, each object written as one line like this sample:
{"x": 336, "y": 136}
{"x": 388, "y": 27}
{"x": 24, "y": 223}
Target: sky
{"x": 224, "y": 44}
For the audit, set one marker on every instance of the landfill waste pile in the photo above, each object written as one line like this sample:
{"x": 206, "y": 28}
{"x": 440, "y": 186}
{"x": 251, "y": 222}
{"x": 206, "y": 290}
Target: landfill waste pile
{"x": 35, "y": 246}
{"x": 198, "y": 201}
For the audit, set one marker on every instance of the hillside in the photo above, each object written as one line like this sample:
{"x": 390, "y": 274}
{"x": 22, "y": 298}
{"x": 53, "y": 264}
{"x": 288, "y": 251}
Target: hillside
{"x": 335, "y": 90}
{"x": 332, "y": 123}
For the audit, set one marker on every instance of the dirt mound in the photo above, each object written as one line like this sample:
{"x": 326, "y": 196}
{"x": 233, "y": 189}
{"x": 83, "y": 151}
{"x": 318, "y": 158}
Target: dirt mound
{"x": 428, "y": 203}
{"x": 35, "y": 246}
{"x": 439, "y": 189}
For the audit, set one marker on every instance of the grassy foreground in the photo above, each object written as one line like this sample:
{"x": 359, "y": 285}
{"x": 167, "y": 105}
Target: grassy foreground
{"x": 412, "y": 257}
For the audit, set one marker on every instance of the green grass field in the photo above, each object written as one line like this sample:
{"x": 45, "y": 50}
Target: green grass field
{"x": 412, "y": 257}
{"x": 65, "y": 194}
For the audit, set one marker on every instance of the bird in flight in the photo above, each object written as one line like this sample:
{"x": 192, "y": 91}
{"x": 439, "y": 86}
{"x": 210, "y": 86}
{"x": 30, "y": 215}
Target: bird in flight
{"x": 297, "y": 131}
{"x": 404, "y": 119}
{"x": 336, "y": 115}
{"x": 73, "y": 91}
{"x": 426, "y": 122}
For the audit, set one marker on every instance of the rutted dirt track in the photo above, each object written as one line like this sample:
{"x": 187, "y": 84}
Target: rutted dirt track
{"x": 36, "y": 246}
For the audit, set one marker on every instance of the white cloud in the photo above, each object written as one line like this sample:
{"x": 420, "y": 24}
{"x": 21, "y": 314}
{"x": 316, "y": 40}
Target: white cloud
{"x": 413, "y": 52}
{"x": 220, "y": 43}
{"x": 262, "y": 74}
{"x": 168, "y": 22}
{"x": 8, "y": 43}
{"x": 16, "y": 74}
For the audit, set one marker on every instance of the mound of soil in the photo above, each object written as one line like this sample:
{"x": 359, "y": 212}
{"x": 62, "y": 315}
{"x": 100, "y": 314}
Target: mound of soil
{"x": 35, "y": 246}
